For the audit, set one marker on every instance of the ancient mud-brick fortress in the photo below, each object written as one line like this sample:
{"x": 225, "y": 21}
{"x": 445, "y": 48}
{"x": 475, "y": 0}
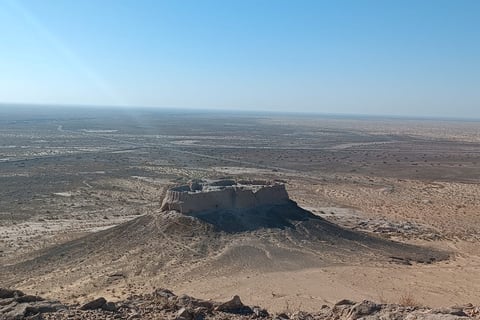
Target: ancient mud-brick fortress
{"x": 204, "y": 195}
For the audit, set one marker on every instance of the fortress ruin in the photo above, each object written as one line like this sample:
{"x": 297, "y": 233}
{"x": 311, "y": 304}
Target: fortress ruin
{"x": 208, "y": 195}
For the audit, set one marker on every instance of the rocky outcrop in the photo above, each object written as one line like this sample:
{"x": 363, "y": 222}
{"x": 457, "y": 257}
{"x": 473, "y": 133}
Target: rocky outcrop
{"x": 14, "y": 304}
{"x": 164, "y": 304}
{"x": 200, "y": 196}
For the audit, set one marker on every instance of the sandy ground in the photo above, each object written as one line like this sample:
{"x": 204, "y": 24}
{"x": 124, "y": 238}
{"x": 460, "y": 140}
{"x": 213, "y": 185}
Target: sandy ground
{"x": 442, "y": 284}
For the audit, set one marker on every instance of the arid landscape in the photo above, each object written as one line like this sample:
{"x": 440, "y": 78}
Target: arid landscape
{"x": 383, "y": 209}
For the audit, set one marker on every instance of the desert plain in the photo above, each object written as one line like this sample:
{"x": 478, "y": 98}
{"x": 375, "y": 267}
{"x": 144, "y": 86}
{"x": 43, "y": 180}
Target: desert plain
{"x": 81, "y": 192}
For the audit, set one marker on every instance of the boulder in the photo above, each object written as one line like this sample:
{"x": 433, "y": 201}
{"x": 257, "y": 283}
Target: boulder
{"x": 21, "y": 310}
{"x": 43, "y": 307}
{"x": 10, "y": 293}
{"x": 109, "y": 306}
{"x": 234, "y": 306}
{"x": 94, "y": 304}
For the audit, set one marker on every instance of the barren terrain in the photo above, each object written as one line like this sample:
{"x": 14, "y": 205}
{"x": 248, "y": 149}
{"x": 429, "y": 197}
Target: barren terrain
{"x": 67, "y": 174}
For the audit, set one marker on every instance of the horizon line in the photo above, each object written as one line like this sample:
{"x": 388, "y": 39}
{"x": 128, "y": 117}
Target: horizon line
{"x": 236, "y": 110}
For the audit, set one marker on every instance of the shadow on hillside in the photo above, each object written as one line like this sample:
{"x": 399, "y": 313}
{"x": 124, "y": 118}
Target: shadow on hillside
{"x": 268, "y": 216}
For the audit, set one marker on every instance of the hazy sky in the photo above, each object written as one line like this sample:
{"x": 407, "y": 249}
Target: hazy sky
{"x": 418, "y": 57}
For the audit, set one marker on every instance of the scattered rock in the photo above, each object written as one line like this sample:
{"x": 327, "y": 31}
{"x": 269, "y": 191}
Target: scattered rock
{"x": 94, "y": 304}
{"x": 109, "y": 306}
{"x": 43, "y": 307}
{"x": 185, "y": 314}
{"x": 10, "y": 293}
{"x": 456, "y": 311}
{"x": 234, "y": 306}
{"x": 187, "y": 301}
{"x": 344, "y": 302}
{"x": 28, "y": 298}
{"x": 282, "y": 316}
{"x": 153, "y": 306}
{"x": 163, "y": 293}
{"x": 363, "y": 308}
{"x": 259, "y": 312}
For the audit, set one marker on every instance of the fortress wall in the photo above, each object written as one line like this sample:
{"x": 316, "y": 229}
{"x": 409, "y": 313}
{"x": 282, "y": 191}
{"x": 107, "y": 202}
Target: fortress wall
{"x": 244, "y": 198}
{"x": 223, "y": 183}
{"x": 228, "y": 198}
{"x": 187, "y": 202}
{"x": 275, "y": 194}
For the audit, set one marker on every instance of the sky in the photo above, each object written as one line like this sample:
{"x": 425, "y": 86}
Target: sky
{"x": 385, "y": 57}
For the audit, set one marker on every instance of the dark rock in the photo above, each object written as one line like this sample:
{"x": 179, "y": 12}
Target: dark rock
{"x": 117, "y": 275}
{"x": 28, "y": 298}
{"x": 184, "y": 300}
{"x": 94, "y": 304}
{"x": 163, "y": 293}
{"x": 259, "y": 312}
{"x": 189, "y": 302}
{"x": 344, "y": 302}
{"x": 109, "y": 306}
{"x": 14, "y": 312}
{"x": 282, "y": 316}
{"x": 199, "y": 316}
{"x": 42, "y": 307}
{"x": 456, "y": 311}
{"x": 35, "y": 317}
{"x": 202, "y": 304}
{"x": 185, "y": 314}
{"x": 10, "y": 293}
{"x": 234, "y": 306}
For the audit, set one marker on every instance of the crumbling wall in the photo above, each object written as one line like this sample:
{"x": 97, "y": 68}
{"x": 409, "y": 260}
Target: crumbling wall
{"x": 230, "y": 197}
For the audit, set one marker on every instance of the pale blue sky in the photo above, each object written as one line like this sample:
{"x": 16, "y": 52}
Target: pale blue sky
{"x": 404, "y": 57}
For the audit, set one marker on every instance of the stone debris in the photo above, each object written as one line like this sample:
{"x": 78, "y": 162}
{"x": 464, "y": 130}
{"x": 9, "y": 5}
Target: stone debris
{"x": 185, "y": 314}
{"x": 234, "y": 306}
{"x": 404, "y": 230}
{"x": 164, "y": 304}
{"x": 94, "y": 304}
{"x": 14, "y": 304}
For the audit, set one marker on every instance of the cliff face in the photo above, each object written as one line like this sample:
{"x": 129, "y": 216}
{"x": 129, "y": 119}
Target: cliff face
{"x": 224, "y": 197}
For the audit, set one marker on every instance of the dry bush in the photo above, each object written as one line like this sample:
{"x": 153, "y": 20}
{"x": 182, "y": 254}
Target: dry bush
{"x": 408, "y": 300}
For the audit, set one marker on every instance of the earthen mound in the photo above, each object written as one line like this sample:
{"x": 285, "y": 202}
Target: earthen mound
{"x": 170, "y": 245}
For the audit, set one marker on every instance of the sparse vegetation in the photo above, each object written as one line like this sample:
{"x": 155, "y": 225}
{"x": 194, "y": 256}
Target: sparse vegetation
{"x": 408, "y": 299}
